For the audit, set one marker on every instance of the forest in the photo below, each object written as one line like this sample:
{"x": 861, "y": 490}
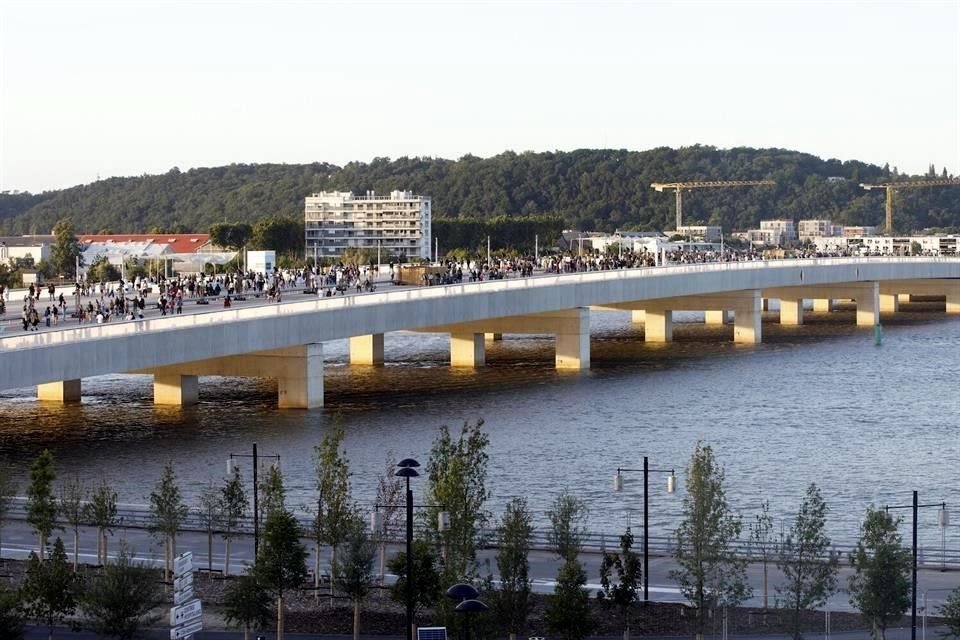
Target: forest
{"x": 587, "y": 190}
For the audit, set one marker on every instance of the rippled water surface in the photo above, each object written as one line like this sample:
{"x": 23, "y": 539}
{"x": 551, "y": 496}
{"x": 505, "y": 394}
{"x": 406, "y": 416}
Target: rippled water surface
{"x": 819, "y": 403}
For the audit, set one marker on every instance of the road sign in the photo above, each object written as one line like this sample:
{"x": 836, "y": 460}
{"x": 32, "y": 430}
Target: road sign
{"x": 185, "y": 631}
{"x": 183, "y": 564}
{"x": 184, "y": 581}
{"x": 185, "y": 613}
{"x": 184, "y": 595}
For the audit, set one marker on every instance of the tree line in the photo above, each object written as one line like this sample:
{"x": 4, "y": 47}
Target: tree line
{"x": 587, "y": 189}
{"x": 124, "y": 595}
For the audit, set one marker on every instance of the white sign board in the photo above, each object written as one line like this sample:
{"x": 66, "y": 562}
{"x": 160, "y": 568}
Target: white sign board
{"x": 185, "y": 613}
{"x": 180, "y": 597}
{"x": 183, "y": 564}
{"x": 184, "y": 581}
{"x": 188, "y": 630}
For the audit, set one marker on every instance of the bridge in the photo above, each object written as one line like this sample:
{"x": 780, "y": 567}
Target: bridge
{"x": 285, "y": 342}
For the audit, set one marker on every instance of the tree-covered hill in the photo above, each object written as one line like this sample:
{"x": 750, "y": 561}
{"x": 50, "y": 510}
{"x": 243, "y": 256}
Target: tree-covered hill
{"x": 590, "y": 189}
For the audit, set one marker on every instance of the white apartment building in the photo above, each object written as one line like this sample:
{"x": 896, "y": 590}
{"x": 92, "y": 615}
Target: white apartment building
{"x": 398, "y": 224}
{"x": 779, "y": 232}
{"x": 707, "y": 233}
{"x": 818, "y": 229}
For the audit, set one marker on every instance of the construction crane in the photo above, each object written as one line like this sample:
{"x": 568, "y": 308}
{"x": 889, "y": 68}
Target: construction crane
{"x": 891, "y": 187}
{"x": 680, "y": 187}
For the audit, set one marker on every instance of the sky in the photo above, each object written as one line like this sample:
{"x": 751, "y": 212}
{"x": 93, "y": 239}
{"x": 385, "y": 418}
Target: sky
{"x": 93, "y": 89}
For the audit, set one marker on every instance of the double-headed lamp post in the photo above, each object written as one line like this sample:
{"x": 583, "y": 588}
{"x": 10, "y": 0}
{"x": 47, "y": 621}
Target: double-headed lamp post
{"x": 671, "y": 487}
{"x": 407, "y": 468}
{"x": 233, "y": 469}
{"x": 943, "y": 520}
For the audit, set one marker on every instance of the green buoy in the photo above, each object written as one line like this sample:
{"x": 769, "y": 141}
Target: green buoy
{"x": 877, "y": 335}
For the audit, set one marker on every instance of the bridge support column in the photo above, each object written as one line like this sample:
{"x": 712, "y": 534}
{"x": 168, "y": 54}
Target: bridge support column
{"x": 791, "y": 312}
{"x": 176, "y": 390}
{"x": 889, "y": 303}
{"x": 765, "y": 304}
{"x": 367, "y": 350}
{"x": 868, "y": 305}
{"x": 573, "y": 340}
{"x": 638, "y": 316}
{"x": 62, "y": 391}
{"x": 300, "y": 378}
{"x": 659, "y": 326}
{"x": 493, "y": 337}
{"x": 747, "y": 317}
{"x": 903, "y": 298}
{"x": 467, "y": 350}
{"x": 822, "y": 305}
{"x": 953, "y": 298}
{"x": 716, "y": 317}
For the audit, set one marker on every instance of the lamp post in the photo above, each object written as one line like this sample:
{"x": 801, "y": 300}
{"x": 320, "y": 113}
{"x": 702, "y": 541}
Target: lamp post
{"x": 671, "y": 487}
{"x": 231, "y": 469}
{"x": 408, "y": 469}
{"x": 619, "y": 244}
{"x": 913, "y": 580}
{"x": 467, "y": 595}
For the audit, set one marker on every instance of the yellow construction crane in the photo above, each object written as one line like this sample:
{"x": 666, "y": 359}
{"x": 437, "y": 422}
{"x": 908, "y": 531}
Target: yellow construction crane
{"x": 891, "y": 187}
{"x": 680, "y": 187}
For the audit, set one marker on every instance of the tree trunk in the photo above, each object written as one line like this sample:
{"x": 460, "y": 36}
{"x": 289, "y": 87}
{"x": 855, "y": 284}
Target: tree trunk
{"x": 764, "y": 583}
{"x": 209, "y": 551}
{"x": 333, "y": 571}
{"x": 356, "y": 620}
{"x": 40, "y": 537}
{"x": 226, "y": 558}
{"x": 166, "y": 559}
{"x": 103, "y": 535}
{"x": 246, "y": 633}
{"x": 626, "y": 633}
{"x": 76, "y": 549}
{"x": 316, "y": 573}
{"x": 279, "y": 617}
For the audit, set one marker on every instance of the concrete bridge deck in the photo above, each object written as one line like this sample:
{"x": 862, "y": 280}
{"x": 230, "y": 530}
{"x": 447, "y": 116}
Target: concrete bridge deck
{"x": 285, "y": 341}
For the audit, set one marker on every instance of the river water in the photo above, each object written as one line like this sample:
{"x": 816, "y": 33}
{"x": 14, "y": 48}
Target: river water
{"x": 818, "y": 403}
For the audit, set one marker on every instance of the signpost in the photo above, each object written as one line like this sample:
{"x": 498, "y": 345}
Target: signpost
{"x": 186, "y": 614}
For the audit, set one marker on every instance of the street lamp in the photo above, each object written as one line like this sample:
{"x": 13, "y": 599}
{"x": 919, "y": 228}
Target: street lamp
{"x": 619, "y": 244}
{"x": 468, "y": 604}
{"x": 231, "y": 469}
{"x": 408, "y": 469}
{"x": 943, "y": 519}
{"x": 671, "y": 487}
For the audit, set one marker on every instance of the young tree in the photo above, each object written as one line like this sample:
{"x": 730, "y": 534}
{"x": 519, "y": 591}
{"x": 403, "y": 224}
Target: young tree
{"x": 880, "y": 585}
{"x": 809, "y": 569}
{"x": 72, "y": 507}
{"x": 168, "y": 512}
{"x": 335, "y": 510}
{"x": 11, "y": 623}
{"x": 210, "y": 512}
{"x": 246, "y": 605}
{"x": 762, "y": 541}
{"x": 624, "y": 593}
{"x": 568, "y": 610}
{"x": 426, "y": 577}
{"x": 66, "y": 249}
{"x": 49, "y": 591}
{"x": 568, "y": 517}
{"x": 273, "y": 495}
{"x": 101, "y": 512}
{"x": 458, "y": 480}
{"x": 8, "y": 489}
{"x": 950, "y": 612}
{"x": 511, "y": 601}
{"x": 355, "y": 575}
{"x": 282, "y": 561}
{"x": 390, "y": 500}
{"x": 122, "y": 599}
{"x": 41, "y": 503}
{"x": 234, "y": 502}
{"x": 708, "y": 572}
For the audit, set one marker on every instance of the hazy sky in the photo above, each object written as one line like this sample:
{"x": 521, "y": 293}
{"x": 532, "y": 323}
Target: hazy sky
{"x": 131, "y": 87}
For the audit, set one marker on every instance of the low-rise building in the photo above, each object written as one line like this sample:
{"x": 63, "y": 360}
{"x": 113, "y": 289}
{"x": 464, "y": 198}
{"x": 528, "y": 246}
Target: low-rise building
{"x": 707, "y": 233}
{"x": 808, "y": 229}
{"x": 781, "y": 232}
{"x": 36, "y": 248}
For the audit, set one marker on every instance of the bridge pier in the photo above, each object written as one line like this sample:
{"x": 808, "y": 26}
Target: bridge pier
{"x": 63, "y": 391}
{"x": 822, "y": 305}
{"x": 638, "y": 316}
{"x": 868, "y": 304}
{"x": 659, "y": 325}
{"x": 367, "y": 350}
{"x": 300, "y": 377}
{"x": 493, "y": 337}
{"x": 889, "y": 303}
{"x": 174, "y": 389}
{"x": 953, "y": 299}
{"x": 467, "y": 350}
{"x": 791, "y": 312}
{"x": 747, "y": 318}
{"x": 903, "y": 298}
{"x": 572, "y": 336}
{"x": 712, "y": 316}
